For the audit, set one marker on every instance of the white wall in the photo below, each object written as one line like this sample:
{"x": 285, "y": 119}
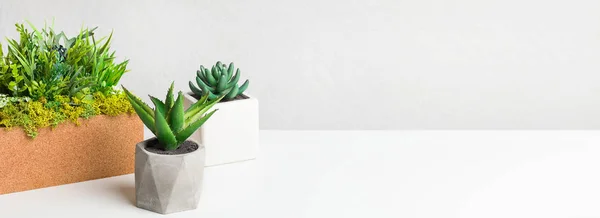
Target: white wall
{"x": 347, "y": 64}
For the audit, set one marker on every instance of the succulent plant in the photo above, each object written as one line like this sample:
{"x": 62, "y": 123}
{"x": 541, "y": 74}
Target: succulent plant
{"x": 168, "y": 121}
{"x": 218, "y": 81}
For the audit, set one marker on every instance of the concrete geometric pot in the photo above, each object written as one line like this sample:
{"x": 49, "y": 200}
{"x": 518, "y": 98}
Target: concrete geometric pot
{"x": 231, "y": 134}
{"x": 168, "y": 183}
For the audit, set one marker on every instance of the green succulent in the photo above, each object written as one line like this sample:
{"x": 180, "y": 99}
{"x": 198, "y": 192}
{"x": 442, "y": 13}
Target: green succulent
{"x": 218, "y": 81}
{"x": 168, "y": 121}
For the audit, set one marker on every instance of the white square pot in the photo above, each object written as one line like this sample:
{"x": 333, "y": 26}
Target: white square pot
{"x": 231, "y": 134}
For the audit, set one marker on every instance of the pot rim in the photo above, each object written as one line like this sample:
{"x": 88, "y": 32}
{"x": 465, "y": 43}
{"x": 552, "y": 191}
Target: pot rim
{"x": 250, "y": 97}
{"x": 142, "y": 147}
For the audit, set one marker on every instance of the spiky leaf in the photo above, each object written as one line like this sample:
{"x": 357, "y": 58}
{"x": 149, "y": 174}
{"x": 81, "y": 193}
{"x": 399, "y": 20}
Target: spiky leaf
{"x": 159, "y": 106}
{"x": 201, "y": 109}
{"x": 139, "y": 102}
{"x": 169, "y": 98}
{"x": 189, "y": 112}
{"x": 210, "y": 94}
{"x": 176, "y": 114}
{"x": 146, "y": 118}
{"x": 163, "y": 132}
{"x": 190, "y": 129}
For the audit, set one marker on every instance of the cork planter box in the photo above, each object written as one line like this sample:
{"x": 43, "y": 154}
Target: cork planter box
{"x": 231, "y": 134}
{"x": 100, "y": 147}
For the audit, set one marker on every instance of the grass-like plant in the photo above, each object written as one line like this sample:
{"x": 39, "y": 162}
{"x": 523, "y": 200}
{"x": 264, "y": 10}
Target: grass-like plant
{"x": 45, "y": 64}
{"x": 168, "y": 120}
{"x": 47, "y": 78}
{"x": 217, "y": 81}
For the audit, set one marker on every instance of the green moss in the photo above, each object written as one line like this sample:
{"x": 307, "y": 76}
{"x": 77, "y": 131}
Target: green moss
{"x": 113, "y": 104}
{"x": 32, "y": 115}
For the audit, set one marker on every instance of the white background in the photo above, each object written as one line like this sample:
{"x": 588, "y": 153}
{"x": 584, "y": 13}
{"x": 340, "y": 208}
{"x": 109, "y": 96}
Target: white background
{"x": 380, "y": 64}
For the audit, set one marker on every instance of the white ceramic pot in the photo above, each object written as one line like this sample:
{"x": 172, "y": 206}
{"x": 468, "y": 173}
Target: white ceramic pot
{"x": 231, "y": 134}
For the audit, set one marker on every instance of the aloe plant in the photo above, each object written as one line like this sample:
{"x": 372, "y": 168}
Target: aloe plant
{"x": 218, "y": 81}
{"x": 168, "y": 121}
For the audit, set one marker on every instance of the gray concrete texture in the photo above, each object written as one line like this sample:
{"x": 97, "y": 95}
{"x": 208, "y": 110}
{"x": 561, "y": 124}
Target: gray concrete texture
{"x": 168, "y": 183}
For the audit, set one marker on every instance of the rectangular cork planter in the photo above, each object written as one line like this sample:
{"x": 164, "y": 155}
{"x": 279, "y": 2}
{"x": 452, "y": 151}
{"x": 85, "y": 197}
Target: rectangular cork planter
{"x": 99, "y": 147}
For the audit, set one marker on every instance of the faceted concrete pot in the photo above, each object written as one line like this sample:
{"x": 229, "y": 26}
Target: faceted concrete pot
{"x": 231, "y": 134}
{"x": 168, "y": 183}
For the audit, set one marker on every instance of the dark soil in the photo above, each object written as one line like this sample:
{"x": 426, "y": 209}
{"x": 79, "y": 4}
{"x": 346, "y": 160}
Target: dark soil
{"x": 184, "y": 148}
{"x": 239, "y": 97}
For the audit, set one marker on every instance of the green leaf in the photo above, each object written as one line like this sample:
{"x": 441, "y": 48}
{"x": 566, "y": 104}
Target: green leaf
{"x": 190, "y": 111}
{"x": 163, "y": 132}
{"x": 13, "y": 48}
{"x": 146, "y": 118}
{"x": 139, "y": 102}
{"x": 232, "y": 93}
{"x": 194, "y": 89}
{"x": 205, "y": 72}
{"x": 235, "y": 79}
{"x": 176, "y": 114}
{"x": 216, "y": 73}
{"x": 159, "y": 106}
{"x": 243, "y": 87}
{"x": 12, "y": 86}
{"x": 211, "y": 95}
{"x": 190, "y": 129}
{"x": 230, "y": 70}
{"x": 209, "y": 77}
{"x": 105, "y": 46}
{"x": 169, "y": 98}
{"x": 201, "y": 109}
{"x": 200, "y": 75}
{"x": 222, "y": 85}
{"x": 37, "y": 33}
{"x": 203, "y": 85}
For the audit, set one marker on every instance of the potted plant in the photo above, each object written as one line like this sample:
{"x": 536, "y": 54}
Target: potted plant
{"x": 169, "y": 167}
{"x": 231, "y": 135}
{"x": 61, "y": 119}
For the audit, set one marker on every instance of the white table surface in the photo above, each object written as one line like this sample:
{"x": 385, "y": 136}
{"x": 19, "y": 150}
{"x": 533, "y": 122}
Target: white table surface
{"x": 329, "y": 174}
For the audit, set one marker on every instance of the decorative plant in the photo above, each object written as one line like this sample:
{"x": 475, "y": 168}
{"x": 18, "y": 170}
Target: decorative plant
{"x": 47, "y": 78}
{"x": 45, "y": 64}
{"x": 218, "y": 81}
{"x": 168, "y": 121}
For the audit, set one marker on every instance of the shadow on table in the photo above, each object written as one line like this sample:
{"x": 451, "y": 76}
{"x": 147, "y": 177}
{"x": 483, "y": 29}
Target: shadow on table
{"x": 128, "y": 192}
